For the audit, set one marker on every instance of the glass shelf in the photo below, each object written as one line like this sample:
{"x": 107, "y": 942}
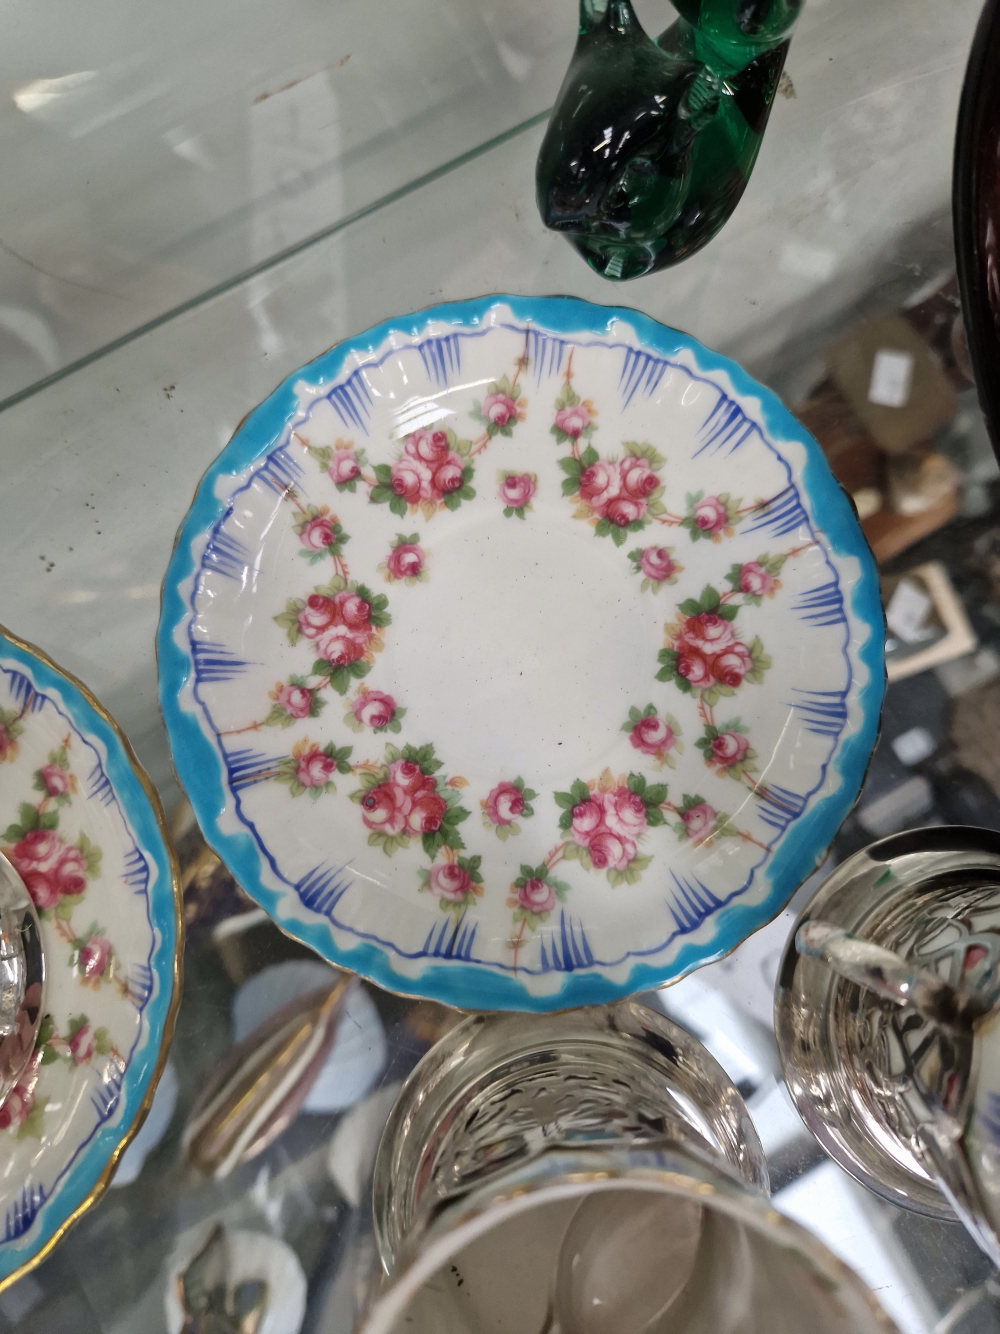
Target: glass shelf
{"x": 154, "y": 153}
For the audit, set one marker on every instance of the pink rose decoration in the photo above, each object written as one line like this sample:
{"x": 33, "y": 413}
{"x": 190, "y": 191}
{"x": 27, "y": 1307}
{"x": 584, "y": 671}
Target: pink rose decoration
{"x": 709, "y": 633}
{"x": 317, "y": 534}
{"x": 499, "y": 409}
{"x": 71, "y": 872}
{"x": 38, "y": 848}
{"x": 587, "y": 818}
{"x": 406, "y": 480}
{"x": 608, "y": 826}
{"x": 656, "y": 564}
{"x": 43, "y": 888}
{"x": 429, "y": 446}
{"x": 536, "y": 896}
{"x": 374, "y": 709}
{"x": 315, "y": 769}
{"x": 710, "y": 515}
{"x": 385, "y": 808}
{"x": 409, "y": 777}
{"x": 341, "y": 646}
{"x": 624, "y": 813}
{"x": 729, "y": 668}
{"x": 449, "y": 881}
{"x": 18, "y": 1104}
{"x": 699, "y": 820}
{"x": 573, "y": 421}
{"x": 638, "y": 478}
{"x": 405, "y": 561}
{"x": 517, "y": 490}
{"x": 317, "y": 615}
{"x": 504, "y": 803}
{"x": 755, "y": 580}
{"x": 599, "y": 484}
{"x": 39, "y": 859}
{"x": 651, "y": 736}
{"x": 94, "y": 957}
{"x": 353, "y": 611}
{"x": 730, "y": 748}
{"x": 610, "y": 851}
{"x": 623, "y": 511}
{"x": 694, "y": 668}
{"x": 448, "y": 477}
{"x": 344, "y": 466}
{"x": 426, "y": 813}
{"x": 56, "y": 780}
{"x": 295, "y": 700}
{"x": 81, "y": 1045}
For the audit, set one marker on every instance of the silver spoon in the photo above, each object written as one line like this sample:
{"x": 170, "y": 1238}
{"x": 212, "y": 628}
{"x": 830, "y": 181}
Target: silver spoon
{"x": 22, "y": 977}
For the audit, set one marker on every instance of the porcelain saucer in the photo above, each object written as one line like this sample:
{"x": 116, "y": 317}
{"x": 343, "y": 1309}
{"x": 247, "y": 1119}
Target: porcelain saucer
{"x": 521, "y": 653}
{"x": 82, "y": 824}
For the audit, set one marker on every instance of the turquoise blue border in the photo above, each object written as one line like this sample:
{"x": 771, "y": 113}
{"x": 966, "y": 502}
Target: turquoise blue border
{"x": 475, "y": 987}
{"x": 81, "y": 1179}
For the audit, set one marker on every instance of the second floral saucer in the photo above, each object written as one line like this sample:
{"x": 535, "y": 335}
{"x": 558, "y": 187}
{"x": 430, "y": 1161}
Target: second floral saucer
{"x": 82, "y": 826}
{"x": 521, "y": 653}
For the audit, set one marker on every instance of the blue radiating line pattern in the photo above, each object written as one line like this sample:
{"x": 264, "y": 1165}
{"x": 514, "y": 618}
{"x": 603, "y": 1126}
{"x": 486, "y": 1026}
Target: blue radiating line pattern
{"x": 322, "y": 888}
{"x": 99, "y": 786}
{"x": 452, "y": 939}
{"x": 640, "y": 370}
{"x": 22, "y": 693}
{"x": 215, "y": 663}
{"x": 821, "y": 606}
{"x": 136, "y": 871}
{"x": 778, "y": 807}
{"x": 691, "y": 903}
{"x": 23, "y": 1211}
{"x": 247, "y": 766}
{"x": 279, "y": 471}
{"x": 352, "y": 401}
{"x": 823, "y": 712}
{"x": 783, "y": 515}
{"x": 568, "y": 948}
{"x": 140, "y": 983}
{"x": 442, "y": 358}
{"x": 545, "y": 354}
{"x": 226, "y": 555}
{"x": 104, "y": 1098}
{"x": 726, "y": 427}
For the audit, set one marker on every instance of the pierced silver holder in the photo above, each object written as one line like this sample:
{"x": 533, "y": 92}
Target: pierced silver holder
{"x": 500, "y": 1091}
{"x": 868, "y": 1076}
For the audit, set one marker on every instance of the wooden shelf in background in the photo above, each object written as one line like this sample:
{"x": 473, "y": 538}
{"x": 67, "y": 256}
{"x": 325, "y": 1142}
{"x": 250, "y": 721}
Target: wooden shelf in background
{"x": 888, "y": 534}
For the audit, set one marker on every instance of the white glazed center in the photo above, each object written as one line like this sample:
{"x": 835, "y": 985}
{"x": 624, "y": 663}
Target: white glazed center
{"x": 529, "y": 653}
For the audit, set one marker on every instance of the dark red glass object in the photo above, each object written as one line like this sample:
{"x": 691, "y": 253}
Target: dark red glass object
{"x": 976, "y": 211}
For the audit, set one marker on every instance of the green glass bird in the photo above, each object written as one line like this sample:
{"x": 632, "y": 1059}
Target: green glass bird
{"x": 651, "y": 143}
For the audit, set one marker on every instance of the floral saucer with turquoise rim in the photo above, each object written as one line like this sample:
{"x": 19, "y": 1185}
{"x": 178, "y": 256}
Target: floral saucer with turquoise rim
{"x": 521, "y": 653}
{"x": 81, "y": 823}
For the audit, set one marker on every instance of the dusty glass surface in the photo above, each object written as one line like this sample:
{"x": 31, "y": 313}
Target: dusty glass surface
{"x": 160, "y": 185}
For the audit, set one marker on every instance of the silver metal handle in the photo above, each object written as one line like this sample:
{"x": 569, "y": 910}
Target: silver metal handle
{"x": 890, "y": 976}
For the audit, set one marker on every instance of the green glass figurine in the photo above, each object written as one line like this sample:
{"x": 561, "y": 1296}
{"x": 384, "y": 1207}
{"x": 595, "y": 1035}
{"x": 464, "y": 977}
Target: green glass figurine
{"x": 651, "y": 144}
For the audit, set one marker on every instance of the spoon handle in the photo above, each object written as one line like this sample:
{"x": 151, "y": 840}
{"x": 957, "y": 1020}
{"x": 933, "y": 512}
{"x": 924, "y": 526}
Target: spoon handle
{"x": 890, "y": 976}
